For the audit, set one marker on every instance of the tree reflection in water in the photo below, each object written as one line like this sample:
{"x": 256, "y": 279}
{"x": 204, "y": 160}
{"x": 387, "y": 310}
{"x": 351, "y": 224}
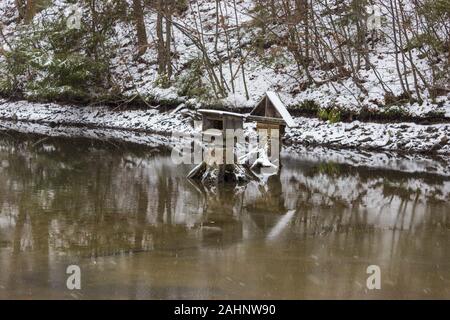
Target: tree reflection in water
{"x": 139, "y": 229}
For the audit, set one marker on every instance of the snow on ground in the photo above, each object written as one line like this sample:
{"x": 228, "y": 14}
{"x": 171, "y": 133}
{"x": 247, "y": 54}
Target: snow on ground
{"x": 280, "y": 75}
{"x": 101, "y": 117}
{"x": 407, "y": 137}
{"x": 148, "y": 140}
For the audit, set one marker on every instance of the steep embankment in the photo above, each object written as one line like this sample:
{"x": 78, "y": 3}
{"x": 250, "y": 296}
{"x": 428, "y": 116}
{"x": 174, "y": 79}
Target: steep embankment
{"x": 345, "y": 70}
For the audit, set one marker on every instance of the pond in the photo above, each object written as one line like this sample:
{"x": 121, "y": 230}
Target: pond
{"x": 138, "y": 229}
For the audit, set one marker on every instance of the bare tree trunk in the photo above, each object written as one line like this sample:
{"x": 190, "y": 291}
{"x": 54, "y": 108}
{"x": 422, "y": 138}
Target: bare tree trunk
{"x": 30, "y": 10}
{"x": 168, "y": 11}
{"x": 397, "y": 49}
{"x": 216, "y": 45}
{"x": 160, "y": 35}
{"x": 402, "y": 50}
{"x": 94, "y": 24}
{"x": 138, "y": 15}
{"x": 164, "y": 26}
{"x": 20, "y": 9}
{"x": 408, "y": 43}
{"x": 241, "y": 56}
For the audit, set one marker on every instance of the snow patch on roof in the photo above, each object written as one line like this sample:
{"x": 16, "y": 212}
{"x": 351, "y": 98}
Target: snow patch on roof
{"x": 220, "y": 112}
{"x": 273, "y": 97}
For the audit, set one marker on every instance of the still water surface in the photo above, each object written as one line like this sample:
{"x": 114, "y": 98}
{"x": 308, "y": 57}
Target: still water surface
{"x": 139, "y": 229}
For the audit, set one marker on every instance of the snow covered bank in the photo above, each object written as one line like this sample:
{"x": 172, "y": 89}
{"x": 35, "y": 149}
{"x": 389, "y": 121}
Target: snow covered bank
{"x": 404, "y": 137}
{"x": 101, "y": 117}
{"x": 147, "y": 140}
{"x": 408, "y": 163}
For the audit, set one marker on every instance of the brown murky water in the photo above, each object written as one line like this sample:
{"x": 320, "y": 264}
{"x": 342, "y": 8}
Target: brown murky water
{"x": 139, "y": 230}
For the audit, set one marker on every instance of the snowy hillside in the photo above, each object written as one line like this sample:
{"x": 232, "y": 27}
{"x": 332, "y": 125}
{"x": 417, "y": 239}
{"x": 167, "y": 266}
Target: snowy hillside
{"x": 239, "y": 56}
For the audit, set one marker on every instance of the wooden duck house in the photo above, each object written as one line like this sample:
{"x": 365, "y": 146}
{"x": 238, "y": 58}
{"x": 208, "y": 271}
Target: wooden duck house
{"x": 221, "y": 120}
{"x": 271, "y": 116}
{"x": 270, "y": 113}
{"x": 215, "y": 123}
